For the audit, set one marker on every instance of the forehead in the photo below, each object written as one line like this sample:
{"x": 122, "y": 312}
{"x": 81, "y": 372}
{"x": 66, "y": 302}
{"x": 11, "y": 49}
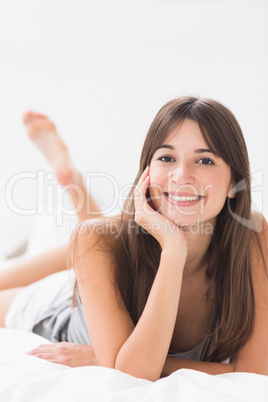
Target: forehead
{"x": 188, "y": 134}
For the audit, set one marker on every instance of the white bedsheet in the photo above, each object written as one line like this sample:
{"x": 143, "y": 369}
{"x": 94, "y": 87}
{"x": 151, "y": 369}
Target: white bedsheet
{"x": 28, "y": 379}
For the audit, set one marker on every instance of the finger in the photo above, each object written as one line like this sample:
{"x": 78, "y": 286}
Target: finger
{"x": 145, "y": 173}
{"x": 37, "y": 350}
{"x": 143, "y": 177}
{"x": 46, "y": 356}
{"x": 140, "y": 197}
{"x": 142, "y": 184}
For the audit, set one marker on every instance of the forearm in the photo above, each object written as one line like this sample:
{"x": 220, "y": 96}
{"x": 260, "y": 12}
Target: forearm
{"x": 144, "y": 353}
{"x": 172, "y": 364}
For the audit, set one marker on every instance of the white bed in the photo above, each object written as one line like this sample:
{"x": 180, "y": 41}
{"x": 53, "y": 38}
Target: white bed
{"x": 26, "y": 378}
{"x": 29, "y": 379}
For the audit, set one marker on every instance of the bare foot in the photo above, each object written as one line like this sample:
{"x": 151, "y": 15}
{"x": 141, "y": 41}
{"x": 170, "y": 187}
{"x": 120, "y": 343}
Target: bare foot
{"x": 45, "y": 136}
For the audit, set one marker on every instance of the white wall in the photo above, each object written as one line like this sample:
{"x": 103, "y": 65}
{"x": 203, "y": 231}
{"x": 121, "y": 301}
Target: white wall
{"x": 102, "y": 69}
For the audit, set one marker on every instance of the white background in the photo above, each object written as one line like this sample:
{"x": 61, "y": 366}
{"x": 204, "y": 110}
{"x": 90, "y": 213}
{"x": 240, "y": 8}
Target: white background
{"x": 101, "y": 70}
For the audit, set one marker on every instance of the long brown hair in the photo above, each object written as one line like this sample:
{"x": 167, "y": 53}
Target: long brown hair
{"x": 137, "y": 254}
{"x": 228, "y": 256}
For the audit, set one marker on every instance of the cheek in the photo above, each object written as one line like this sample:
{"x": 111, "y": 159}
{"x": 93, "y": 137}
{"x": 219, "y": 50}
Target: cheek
{"x": 157, "y": 185}
{"x": 157, "y": 179}
{"x": 216, "y": 187}
{"x": 214, "y": 183}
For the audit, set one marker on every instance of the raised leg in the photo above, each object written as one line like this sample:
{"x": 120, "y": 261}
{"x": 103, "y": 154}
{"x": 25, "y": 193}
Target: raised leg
{"x": 44, "y": 135}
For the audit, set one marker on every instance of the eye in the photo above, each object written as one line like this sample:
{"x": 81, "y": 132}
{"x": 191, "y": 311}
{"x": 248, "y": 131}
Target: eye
{"x": 205, "y": 161}
{"x": 166, "y": 158}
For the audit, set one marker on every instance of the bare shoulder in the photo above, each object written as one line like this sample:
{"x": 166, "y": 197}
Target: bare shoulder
{"x": 91, "y": 244}
{"x": 259, "y": 221}
{"x": 91, "y": 232}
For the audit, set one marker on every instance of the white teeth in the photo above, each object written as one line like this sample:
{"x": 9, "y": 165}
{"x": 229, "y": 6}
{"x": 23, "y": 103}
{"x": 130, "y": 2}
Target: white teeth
{"x": 178, "y": 198}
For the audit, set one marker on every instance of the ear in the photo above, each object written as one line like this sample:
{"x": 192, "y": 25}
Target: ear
{"x": 232, "y": 191}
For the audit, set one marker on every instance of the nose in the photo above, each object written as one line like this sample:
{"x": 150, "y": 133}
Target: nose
{"x": 182, "y": 174}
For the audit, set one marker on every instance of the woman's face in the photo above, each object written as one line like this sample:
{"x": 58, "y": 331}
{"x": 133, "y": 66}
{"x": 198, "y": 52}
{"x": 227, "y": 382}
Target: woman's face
{"x": 188, "y": 182}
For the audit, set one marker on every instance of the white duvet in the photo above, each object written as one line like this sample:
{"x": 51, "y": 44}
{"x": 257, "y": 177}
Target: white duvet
{"x": 29, "y": 379}
{"x": 26, "y": 378}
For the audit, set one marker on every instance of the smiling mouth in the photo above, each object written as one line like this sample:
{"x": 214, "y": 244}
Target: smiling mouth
{"x": 183, "y": 200}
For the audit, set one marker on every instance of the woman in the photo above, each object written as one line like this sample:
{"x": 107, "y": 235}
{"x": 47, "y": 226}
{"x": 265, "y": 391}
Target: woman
{"x": 179, "y": 280}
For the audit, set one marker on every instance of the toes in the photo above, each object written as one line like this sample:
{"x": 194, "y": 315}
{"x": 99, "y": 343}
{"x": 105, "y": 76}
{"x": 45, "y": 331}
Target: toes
{"x": 35, "y": 115}
{"x": 30, "y": 115}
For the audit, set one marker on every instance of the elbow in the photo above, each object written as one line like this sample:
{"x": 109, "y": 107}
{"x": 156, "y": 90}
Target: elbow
{"x": 135, "y": 369}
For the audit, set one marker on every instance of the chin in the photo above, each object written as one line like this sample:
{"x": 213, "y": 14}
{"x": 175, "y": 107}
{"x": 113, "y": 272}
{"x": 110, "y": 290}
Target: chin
{"x": 195, "y": 225}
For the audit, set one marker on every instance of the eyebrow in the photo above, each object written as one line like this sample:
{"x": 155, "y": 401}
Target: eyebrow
{"x": 202, "y": 150}
{"x": 197, "y": 151}
{"x": 165, "y": 146}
